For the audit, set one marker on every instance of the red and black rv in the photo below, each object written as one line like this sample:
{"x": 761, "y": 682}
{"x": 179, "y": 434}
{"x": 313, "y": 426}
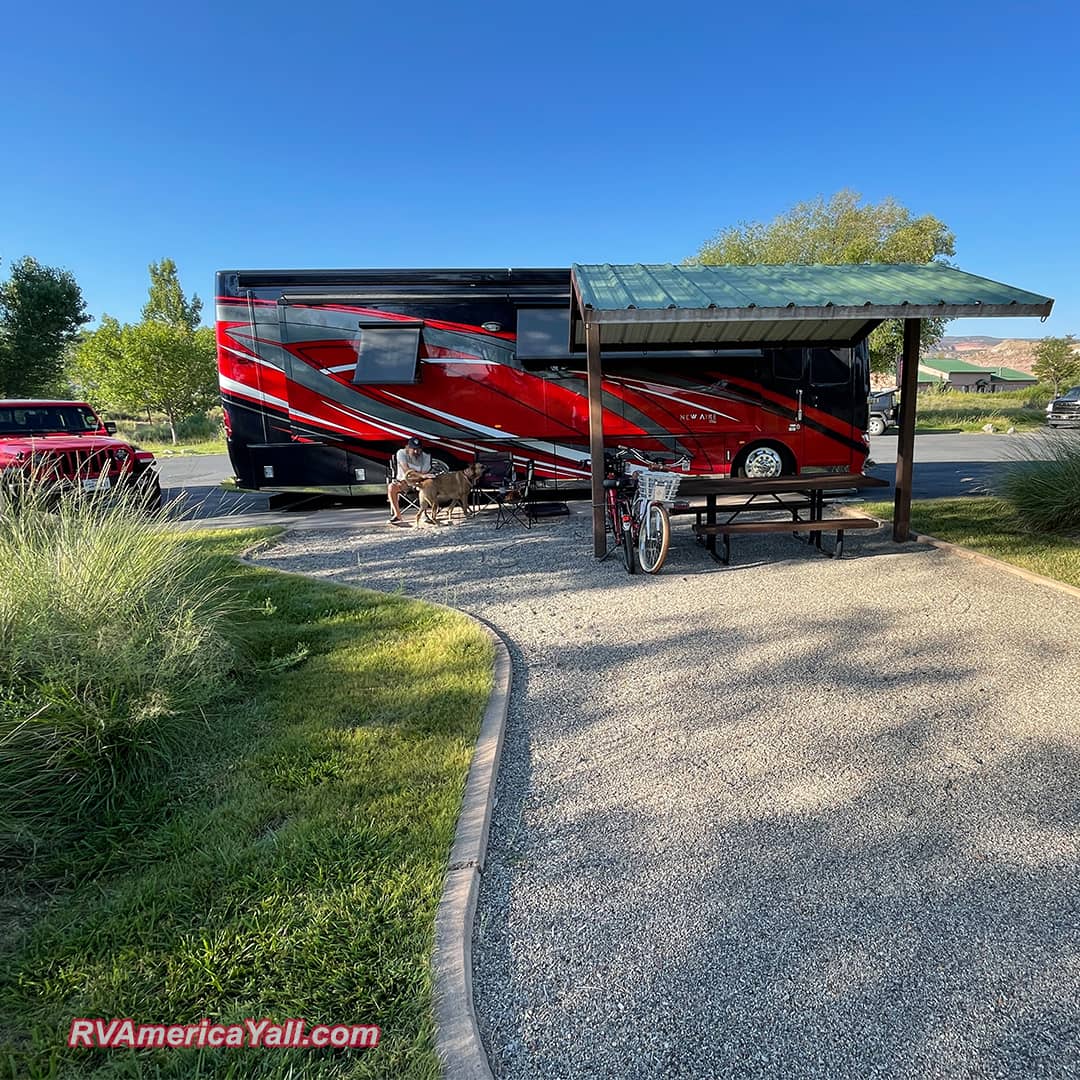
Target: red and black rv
{"x": 325, "y": 373}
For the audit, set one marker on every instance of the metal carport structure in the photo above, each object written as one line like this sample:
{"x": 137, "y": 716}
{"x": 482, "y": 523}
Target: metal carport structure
{"x": 668, "y": 307}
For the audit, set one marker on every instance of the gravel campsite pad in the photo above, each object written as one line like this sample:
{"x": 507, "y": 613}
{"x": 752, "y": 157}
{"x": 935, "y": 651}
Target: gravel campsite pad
{"x": 796, "y": 817}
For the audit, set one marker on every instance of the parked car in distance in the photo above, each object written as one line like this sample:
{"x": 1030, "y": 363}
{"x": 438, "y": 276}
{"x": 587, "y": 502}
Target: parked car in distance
{"x": 66, "y": 446}
{"x": 1064, "y": 411}
{"x": 882, "y": 411}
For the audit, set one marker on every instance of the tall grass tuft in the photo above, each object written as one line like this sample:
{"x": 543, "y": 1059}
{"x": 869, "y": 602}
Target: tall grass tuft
{"x": 114, "y": 632}
{"x": 1043, "y": 483}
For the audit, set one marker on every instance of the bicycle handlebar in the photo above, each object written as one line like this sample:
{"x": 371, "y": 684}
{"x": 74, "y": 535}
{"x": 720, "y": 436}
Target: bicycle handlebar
{"x": 621, "y": 454}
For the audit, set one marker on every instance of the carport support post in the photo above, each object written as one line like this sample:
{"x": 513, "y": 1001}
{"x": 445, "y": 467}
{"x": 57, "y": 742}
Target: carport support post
{"x": 905, "y": 442}
{"x": 596, "y": 437}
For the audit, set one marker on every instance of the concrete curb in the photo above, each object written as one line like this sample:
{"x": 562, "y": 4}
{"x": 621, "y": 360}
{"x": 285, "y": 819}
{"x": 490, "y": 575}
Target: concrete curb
{"x": 978, "y": 556}
{"x": 259, "y": 546}
{"x": 999, "y": 564}
{"x": 457, "y": 1037}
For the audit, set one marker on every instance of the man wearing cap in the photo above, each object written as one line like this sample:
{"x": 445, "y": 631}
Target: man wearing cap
{"x": 409, "y": 459}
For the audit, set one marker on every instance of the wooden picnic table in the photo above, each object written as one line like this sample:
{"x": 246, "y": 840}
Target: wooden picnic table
{"x": 813, "y": 488}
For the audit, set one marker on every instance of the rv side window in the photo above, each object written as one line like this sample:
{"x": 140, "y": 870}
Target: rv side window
{"x": 830, "y": 367}
{"x": 787, "y": 363}
{"x": 543, "y": 333}
{"x": 387, "y": 354}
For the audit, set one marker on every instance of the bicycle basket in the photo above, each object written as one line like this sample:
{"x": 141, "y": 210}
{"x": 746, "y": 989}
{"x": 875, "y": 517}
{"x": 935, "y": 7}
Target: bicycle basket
{"x": 657, "y": 486}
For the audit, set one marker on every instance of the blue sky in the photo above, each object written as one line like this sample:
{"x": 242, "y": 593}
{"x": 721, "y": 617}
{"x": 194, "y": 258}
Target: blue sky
{"x": 481, "y": 134}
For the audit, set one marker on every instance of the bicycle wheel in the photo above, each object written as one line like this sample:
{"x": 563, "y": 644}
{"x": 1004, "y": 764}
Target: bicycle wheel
{"x": 654, "y": 538}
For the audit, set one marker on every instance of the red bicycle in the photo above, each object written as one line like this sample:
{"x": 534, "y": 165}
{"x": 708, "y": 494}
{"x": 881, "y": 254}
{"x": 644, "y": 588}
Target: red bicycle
{"x": 637, "y": 490}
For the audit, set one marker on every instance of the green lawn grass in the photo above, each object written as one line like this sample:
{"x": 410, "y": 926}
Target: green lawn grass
{"x": 183, "y": 449}
{"x": 289, "y": 867}
{"x": 941, "y": 411}
{"x": 199, "y": 434}
{"x": 988, "y": 525}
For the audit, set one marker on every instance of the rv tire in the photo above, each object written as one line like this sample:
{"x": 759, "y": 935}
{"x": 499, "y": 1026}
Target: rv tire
{"x": 764, "y": 460}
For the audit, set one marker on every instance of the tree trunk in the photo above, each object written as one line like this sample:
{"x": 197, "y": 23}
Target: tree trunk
{"x": 172, "y": 427}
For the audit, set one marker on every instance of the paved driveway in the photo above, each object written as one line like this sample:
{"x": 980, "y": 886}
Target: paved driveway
{"x": 790, "y": 818}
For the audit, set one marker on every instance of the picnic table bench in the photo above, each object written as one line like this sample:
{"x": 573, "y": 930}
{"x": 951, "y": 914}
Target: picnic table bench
{"x": 741, "y": 495}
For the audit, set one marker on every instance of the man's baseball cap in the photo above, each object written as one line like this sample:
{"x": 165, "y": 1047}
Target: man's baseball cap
{"x": 414, "y": 443}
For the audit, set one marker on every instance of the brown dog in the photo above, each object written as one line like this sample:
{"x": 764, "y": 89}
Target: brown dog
{"x": 451, "y": 489}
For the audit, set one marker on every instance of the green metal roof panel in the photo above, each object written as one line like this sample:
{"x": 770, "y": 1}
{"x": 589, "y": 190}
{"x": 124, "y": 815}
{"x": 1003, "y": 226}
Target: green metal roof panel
{"x": 607, "y": 287}
{"x": 666, "y": 306}
{"x": 949, "y": 366}
{"x": 953, "y": 367}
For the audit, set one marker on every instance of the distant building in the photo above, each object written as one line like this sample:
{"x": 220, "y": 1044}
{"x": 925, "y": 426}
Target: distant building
{"x": 960, "y": 375}
{"x": 928, "y": 378}
{"x": 1003, "y": 378}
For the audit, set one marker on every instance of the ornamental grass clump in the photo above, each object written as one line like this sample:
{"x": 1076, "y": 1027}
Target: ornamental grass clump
{"x": 114, "y": 633}
{"x": 1043, "y": 483}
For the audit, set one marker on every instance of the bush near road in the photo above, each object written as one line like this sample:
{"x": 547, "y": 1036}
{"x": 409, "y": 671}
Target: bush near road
{"x": 1043, "y": 483}
{"x": 285, "y": 857}
{"x": 199, "y": 434}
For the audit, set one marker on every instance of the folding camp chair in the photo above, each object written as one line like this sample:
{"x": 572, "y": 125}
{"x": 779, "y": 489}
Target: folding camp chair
{"x": 513, "y": 500}
{"x": 497, "y": 476}
{"x": 408, "y": 498}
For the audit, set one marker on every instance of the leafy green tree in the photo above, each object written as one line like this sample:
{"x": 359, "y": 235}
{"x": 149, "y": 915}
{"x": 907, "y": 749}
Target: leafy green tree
{"x": 1057, "y": 361}
{"x": 150, "y": 365}
{"x": 41, "y": 310}
{"x": 166, "y": 363}
{"x": 843, "y": 229}
{"x": 167, "y": 302}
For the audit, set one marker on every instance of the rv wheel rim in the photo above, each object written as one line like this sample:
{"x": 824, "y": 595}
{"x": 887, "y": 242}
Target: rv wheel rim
{"x": 763, "y": 462}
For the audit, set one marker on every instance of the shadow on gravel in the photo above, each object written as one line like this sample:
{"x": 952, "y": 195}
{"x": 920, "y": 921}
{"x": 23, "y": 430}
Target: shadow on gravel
{"x": 846, "y": 941}
{"x": 471, "y": 560}
{"x": 762, "y": 876}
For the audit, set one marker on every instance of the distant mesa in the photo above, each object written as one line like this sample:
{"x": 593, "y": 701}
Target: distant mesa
{"x": 950, "y": 346}
{"x": 990, "y": 352}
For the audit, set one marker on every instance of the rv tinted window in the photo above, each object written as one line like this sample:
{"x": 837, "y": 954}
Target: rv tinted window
{"x": 830, "y": 367}
{"x": 787, "y": 364}
{"x": 387, "y": 355}
{"x": 543, "y": 333}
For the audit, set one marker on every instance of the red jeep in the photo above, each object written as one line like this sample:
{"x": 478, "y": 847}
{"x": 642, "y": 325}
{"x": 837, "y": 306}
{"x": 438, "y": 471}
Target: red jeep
{"x": 66, "y": 446}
